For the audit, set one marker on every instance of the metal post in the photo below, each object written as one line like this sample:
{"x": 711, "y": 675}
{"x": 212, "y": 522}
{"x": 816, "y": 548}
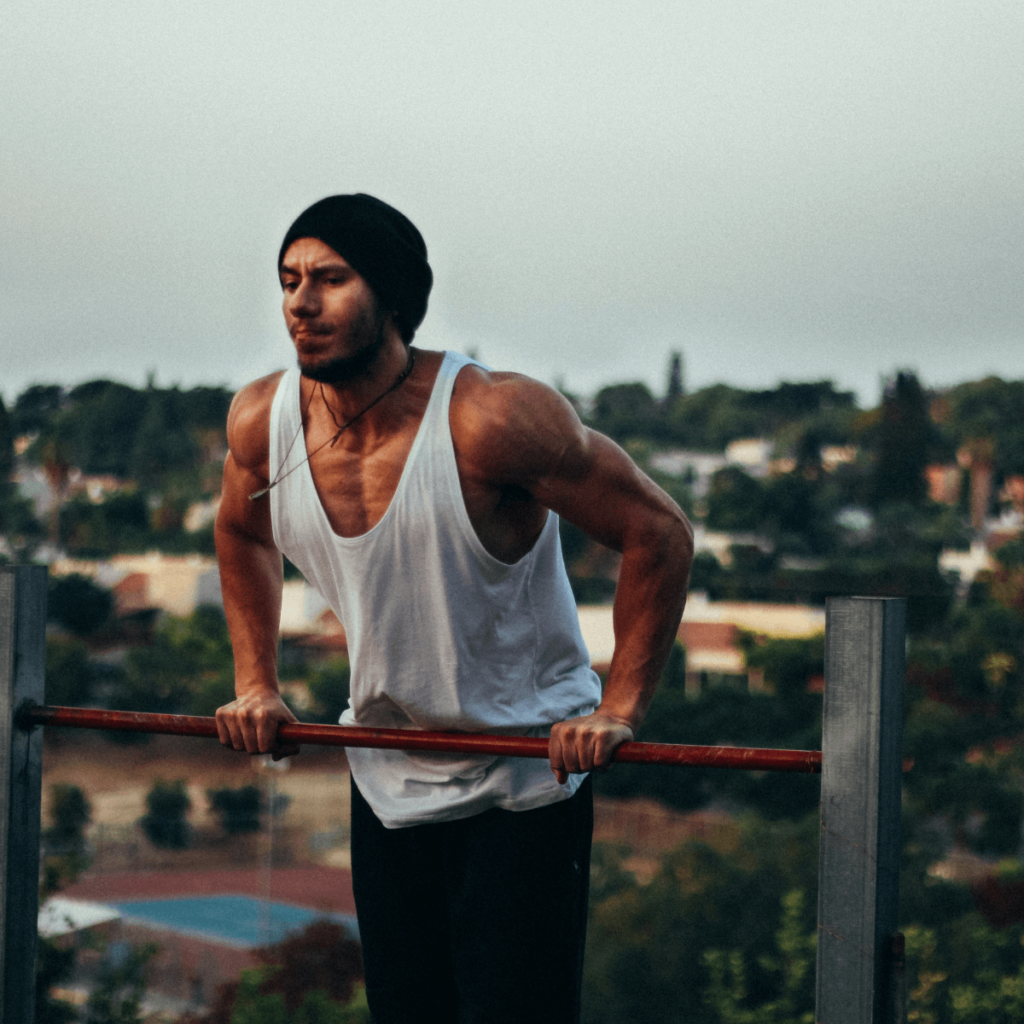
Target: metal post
{"x": 862, "y": 761}
{"x": 22, "y": 661}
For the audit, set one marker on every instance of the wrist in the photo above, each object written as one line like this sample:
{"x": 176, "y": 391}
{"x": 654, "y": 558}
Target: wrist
{"x": 621, "y": 716}
{"x": 257, "y": 688}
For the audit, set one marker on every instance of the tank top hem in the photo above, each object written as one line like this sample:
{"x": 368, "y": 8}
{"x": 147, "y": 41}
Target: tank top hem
{"x": 527, "y": 803}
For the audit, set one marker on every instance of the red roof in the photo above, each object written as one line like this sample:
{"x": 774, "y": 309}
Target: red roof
{"x": 320, "y": 888}
{"x": 708, "y": 636}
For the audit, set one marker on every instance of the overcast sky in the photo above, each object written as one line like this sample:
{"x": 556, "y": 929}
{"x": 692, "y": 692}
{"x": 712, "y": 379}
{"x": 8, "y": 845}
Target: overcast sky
{"x": 783, "y": 190}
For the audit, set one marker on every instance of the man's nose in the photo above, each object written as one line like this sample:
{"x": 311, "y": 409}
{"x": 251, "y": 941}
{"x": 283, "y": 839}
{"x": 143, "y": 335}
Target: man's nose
{"x": 303, "y": 301}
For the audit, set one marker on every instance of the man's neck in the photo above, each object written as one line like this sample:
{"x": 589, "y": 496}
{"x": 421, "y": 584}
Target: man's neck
{"x": 349, "y": 397}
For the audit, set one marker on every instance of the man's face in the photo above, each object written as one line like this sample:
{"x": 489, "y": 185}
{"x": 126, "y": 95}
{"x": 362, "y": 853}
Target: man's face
{"x": 332, "y": 314}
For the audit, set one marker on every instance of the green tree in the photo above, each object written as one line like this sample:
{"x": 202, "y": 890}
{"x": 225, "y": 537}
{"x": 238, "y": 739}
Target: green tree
{"x": 165, "y": 822}
{"x": 163, "y": 442}
{"x": 675, "y": 389}
{"x": 70, "y": 675}
{"x": 6, "y": 454}
{"x": 736, "y": 501}
{"x": 988, "y": 408}
{"x": 329, "y": 688}
{"x": 309, "y": 977}
{"x": 712, "y": 417}
{"x": 187, "y": 667}
{"x": 102, "y": 417}
{"x": 78, "y": 604}
{"x": 70, "y": 812}
{"x": 35, "y": 407}
{"x": 238, "y": 809}
{"x": 905, "y": 442}
{"x": 117, "y": 995}
{"x": 646, "y": 943}
{"x": 253, "y": 1005}
{"x": 624, "y": 410}
{"x": 792, "y": 963}
{"x": 54, "y": 964}
{"x": 119, "y": 523}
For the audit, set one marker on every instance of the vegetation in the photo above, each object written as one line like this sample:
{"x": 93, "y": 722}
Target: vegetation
{"x": 674, "y": 949}
{"x": 78, "y": 604}
{"x": 328, "y": 687}
{"x": 186, "y": 669}
{"x": 64, "y": 853}
{"x": 312, "y": 977}
{"x": 725, "y": 931}
{"x": 117, "y": 995}
{"x": 154, "y": 436}
{"x": 71, "y": 812}
{"x": 165, "y": 822}
{"x": 70, "y": 675}
{"x": 238, "y": 809}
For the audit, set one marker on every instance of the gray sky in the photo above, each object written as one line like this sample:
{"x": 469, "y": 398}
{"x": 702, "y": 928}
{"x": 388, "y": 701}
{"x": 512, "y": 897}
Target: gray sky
{"x": 785, "y": 190}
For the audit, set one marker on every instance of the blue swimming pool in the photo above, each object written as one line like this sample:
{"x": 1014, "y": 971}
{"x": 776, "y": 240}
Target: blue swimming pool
{"x": 242, "y": 921}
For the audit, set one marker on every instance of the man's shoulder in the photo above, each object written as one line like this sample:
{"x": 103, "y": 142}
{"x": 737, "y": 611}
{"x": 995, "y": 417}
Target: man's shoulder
{"x": 482, "y": 392}
{"x": 507, "y": 422}
{"x": 249, "y": 420}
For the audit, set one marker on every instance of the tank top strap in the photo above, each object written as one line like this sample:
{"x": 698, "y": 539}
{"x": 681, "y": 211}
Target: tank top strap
{"x": 436, "y": 416}
{"x": 285, "y": 421}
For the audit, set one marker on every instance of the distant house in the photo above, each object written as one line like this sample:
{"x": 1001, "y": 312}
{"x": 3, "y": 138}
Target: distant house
{"x": 720, "y": 544}
{"x": 697, "y": 468}
{"x": 176, "y": 584}
{"x": 944, "y": 483}
{"x": 752, "y": 454}
{"x": 200, "y": 514}
{"x": 835, "y": 455}
{"x": 710, "y": 633}
{"x": 33, "y": 484}
{"x": 1013, "y": 492}
{"x": 131, "y": 594}
{"x": 966, "y": 564}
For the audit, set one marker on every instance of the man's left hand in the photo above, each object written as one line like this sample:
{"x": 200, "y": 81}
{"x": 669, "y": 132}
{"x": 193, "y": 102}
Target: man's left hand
{"x": 585, "y": 744}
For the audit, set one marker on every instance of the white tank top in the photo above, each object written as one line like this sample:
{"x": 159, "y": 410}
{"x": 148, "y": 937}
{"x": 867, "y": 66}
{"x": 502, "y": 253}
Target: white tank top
{"x": 441, "y": 635}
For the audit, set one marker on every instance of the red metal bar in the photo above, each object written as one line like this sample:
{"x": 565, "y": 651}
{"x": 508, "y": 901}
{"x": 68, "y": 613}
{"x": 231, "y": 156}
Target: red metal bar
{"x": 750, "y": 758}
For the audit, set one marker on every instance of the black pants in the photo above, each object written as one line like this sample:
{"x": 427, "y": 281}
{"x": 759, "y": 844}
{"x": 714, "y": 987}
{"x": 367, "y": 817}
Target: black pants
{"x": 476, "y": 921}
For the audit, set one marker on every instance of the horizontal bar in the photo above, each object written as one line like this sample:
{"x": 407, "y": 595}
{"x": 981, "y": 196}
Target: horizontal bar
{"x": 750, "y": 758}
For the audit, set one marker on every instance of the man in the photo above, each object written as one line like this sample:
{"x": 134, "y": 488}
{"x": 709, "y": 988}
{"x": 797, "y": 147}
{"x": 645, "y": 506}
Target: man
{"x": 419, "y": 493}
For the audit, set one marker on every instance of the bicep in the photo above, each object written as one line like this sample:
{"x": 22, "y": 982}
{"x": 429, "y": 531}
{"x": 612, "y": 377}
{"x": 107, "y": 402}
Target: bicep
{"x": 241, "y": 516}
{"x": 597, "y": 487}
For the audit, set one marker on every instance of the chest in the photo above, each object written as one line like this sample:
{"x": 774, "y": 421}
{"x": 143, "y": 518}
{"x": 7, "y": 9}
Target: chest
{"x": 357, "y": 479}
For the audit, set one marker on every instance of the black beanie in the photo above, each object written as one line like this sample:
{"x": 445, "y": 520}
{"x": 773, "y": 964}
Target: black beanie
{"x": 380, "y": 244}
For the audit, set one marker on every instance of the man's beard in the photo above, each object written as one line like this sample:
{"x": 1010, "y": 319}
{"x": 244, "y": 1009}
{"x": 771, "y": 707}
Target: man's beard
{"x": 345, "y": 369}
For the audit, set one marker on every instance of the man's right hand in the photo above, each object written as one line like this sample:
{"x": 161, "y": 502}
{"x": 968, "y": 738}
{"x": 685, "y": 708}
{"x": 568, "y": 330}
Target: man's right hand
{"x": 250, "y": 723}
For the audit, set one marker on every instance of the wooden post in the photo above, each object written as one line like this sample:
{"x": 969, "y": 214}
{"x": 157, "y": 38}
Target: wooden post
{"x": 22, "y": 661}
{"x": 861, "y": 779}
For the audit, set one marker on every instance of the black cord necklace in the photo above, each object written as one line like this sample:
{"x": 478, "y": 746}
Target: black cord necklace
{"x": 342, "y": 427}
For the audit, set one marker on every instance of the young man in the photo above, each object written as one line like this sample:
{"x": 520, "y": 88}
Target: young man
{"x": 419, "y": 493}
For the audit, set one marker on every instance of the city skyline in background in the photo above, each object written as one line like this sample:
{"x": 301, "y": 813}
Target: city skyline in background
{"x": 781, "y": 193}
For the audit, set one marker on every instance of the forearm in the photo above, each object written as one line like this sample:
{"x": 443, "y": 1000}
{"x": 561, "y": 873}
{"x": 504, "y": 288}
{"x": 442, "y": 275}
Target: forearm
{"x": 251, "y": 576}
{"x": 649, "y": 601}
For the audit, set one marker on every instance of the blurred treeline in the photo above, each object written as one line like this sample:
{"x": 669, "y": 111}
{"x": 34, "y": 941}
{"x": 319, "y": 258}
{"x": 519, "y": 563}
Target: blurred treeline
{"x": 801, "y": 417}
{"x": 163, "y": 449}
{"x": 812, "y": 528}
